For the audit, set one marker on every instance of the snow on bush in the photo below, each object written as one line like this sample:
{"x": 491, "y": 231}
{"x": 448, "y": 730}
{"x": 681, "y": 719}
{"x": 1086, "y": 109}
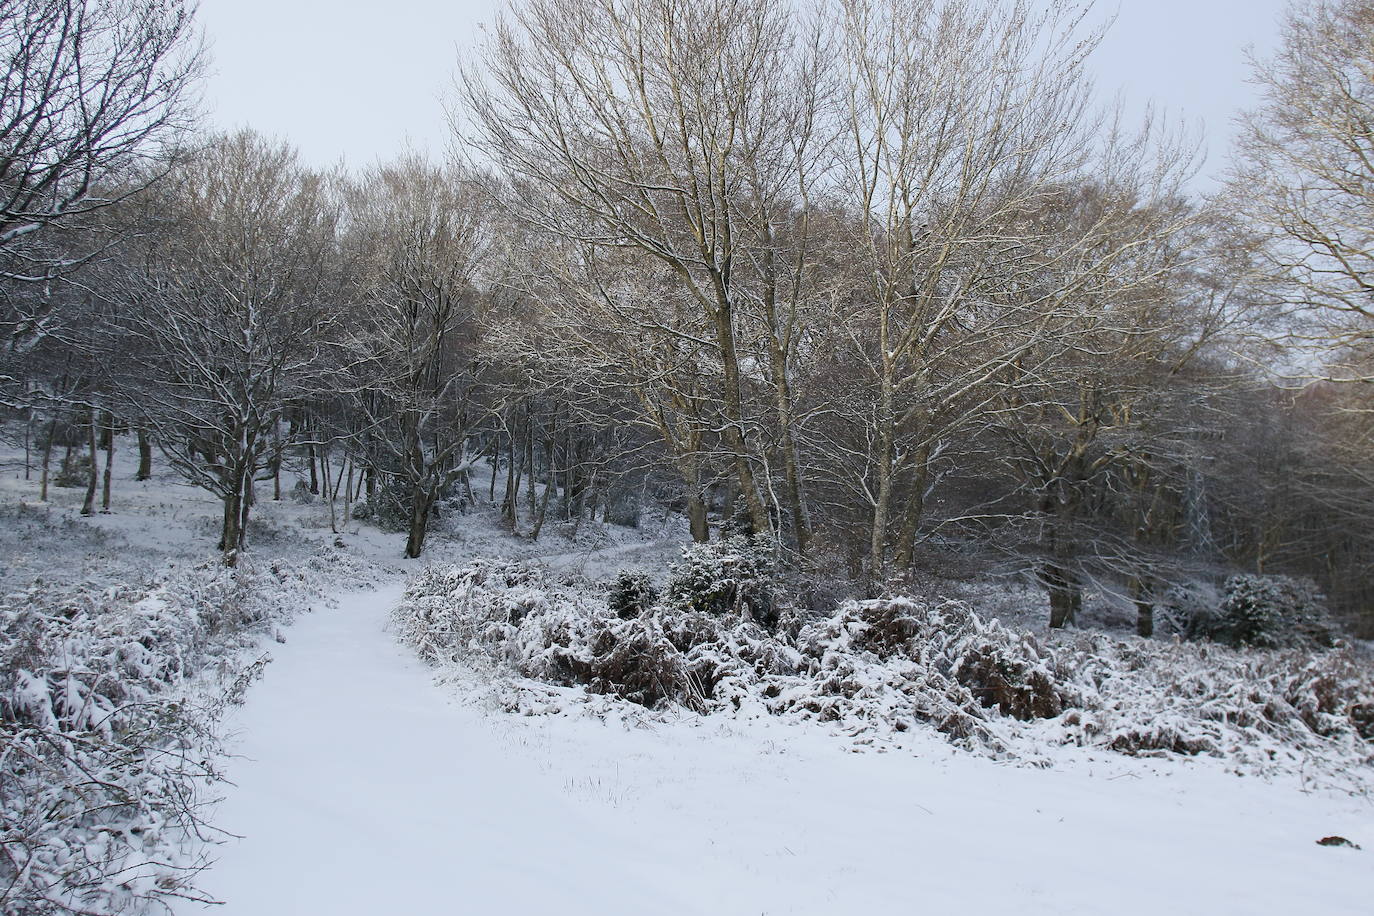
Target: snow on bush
{"x": 108, "y": 698}
{"x": 631, "y": 595}
{"x": 1271, "y": 612}
{"x": 880, "y": 667}
{"x": 729, "y": 576}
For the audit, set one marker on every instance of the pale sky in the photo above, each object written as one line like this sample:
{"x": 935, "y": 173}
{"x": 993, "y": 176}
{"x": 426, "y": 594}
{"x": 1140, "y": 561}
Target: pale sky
{"x": 358, "y": 80}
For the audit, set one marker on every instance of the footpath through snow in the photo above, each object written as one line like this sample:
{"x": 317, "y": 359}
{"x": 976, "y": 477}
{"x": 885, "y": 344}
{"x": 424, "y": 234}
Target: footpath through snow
{"x": 364, "y": 788}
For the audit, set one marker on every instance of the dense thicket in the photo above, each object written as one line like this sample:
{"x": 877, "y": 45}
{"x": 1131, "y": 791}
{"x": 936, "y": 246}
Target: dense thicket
{"x": 883, "y": 284}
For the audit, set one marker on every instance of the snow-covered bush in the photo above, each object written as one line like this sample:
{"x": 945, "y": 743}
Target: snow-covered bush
{"x": 1187, "y": 610}
{"x": 884, "y": 666}
{"x": 108, "y": 697}
{"x": 301, "y": 494}
{"x": 1266, "y": 611}
{"x": 98, "y": 774}
{"x": 631, "y": 594}
{"x": 729, "y": 576}
{"x": 74, "y": 471}
{"x": 1291, "y": 709}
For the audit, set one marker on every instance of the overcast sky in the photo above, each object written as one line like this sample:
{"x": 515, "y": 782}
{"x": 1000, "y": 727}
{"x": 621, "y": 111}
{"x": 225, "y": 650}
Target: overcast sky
{"x": 358, "y": 79}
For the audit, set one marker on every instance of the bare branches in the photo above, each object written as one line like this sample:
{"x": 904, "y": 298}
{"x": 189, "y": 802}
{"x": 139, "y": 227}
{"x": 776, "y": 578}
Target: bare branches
{"x": 95, "y": 92}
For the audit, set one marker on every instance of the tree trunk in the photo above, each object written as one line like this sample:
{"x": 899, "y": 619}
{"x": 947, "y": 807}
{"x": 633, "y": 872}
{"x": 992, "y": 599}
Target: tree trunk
{"x": 1065, "y": 593}
{"x": 877, "y": 545}
{"x": 47, "y": 459}
{"x": 420, "y": 502}
{"x": 543, "y": 510}
{"x": 145, "y": 456}
{"x": 1059, "y": 505}
{"x": 1144, "y": 607}
{"x": 109, "y": 460}
{"x": 314, "y": 476}
{"x": 531, "y": 496}
{"x": 276, "y": 461}
{"x": 231, "y": 528}
{"x": 28, "y": 444}
{"x": 550, "y": 477}
{"x": 915, "y": 508}
{"x": 329, "y": 491}
{"x": 93, "y": 475}
{"x": 696, "y": 517}
{"x": 882, "y": 503}
{"x": 348, "y": 495}
{"x": 734, "y": 416}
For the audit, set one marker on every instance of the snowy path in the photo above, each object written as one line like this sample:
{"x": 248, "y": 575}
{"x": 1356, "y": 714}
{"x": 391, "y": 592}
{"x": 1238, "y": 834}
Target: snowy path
{"x": 363, "y": 790}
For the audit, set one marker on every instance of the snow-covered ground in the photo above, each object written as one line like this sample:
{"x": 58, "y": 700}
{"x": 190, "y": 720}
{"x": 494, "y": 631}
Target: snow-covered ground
{"x": 365, "y": 783}
{"x": 365, "y": 788}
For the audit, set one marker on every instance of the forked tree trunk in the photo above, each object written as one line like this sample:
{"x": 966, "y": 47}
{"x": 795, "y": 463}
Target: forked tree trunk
{"x": 914, "y": 509}
{"x": 1065, "y": 594}
{"x": 550, "y": 479}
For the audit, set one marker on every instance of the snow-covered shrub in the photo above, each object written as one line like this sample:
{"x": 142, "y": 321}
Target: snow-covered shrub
{"x": 1269, "y": 612}
{"x": 107, "y": 709}
{"x": 513, "y": 614}
{"x": 98, "y": 773}
{"x": 885, "y": 666}
{"x": 740, "y": 524}
{"x": 623, "y": 507}
{"x": 729, "y": 576}
{"x": 631, "y": 594}
{"x": 1267, "y": 709}
{"x": 75, "y": 471}
{"x": 300, "y": 493}
{"x": 390, "y": 503}
{"x": 1188, "y": 610}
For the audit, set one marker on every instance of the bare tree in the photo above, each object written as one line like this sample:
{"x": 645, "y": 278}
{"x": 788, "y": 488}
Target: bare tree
{"x": 231, "y": 304}
{"x": 675, "y": 129}
{"x": 417, "y": 236}
{"x": 617, "y": 338}
{"x": 1085, "y": 413}
{"x": 958, "y": 118}
{"x": 1304, "y": 178}
{"x": 94, "y": 92}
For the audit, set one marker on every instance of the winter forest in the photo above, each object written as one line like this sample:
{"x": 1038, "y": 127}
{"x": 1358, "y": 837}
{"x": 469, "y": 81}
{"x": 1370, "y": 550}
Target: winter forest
{"x": 846, "y": 393}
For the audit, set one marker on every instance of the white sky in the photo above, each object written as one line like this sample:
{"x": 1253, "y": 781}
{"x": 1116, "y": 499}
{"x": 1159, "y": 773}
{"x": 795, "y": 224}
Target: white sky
{"x": 357, "y": 79}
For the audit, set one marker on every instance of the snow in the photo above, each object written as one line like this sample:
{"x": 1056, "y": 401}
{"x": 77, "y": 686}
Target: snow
{"x": 366, "y": 782}
{"x": 363, "y": 787}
